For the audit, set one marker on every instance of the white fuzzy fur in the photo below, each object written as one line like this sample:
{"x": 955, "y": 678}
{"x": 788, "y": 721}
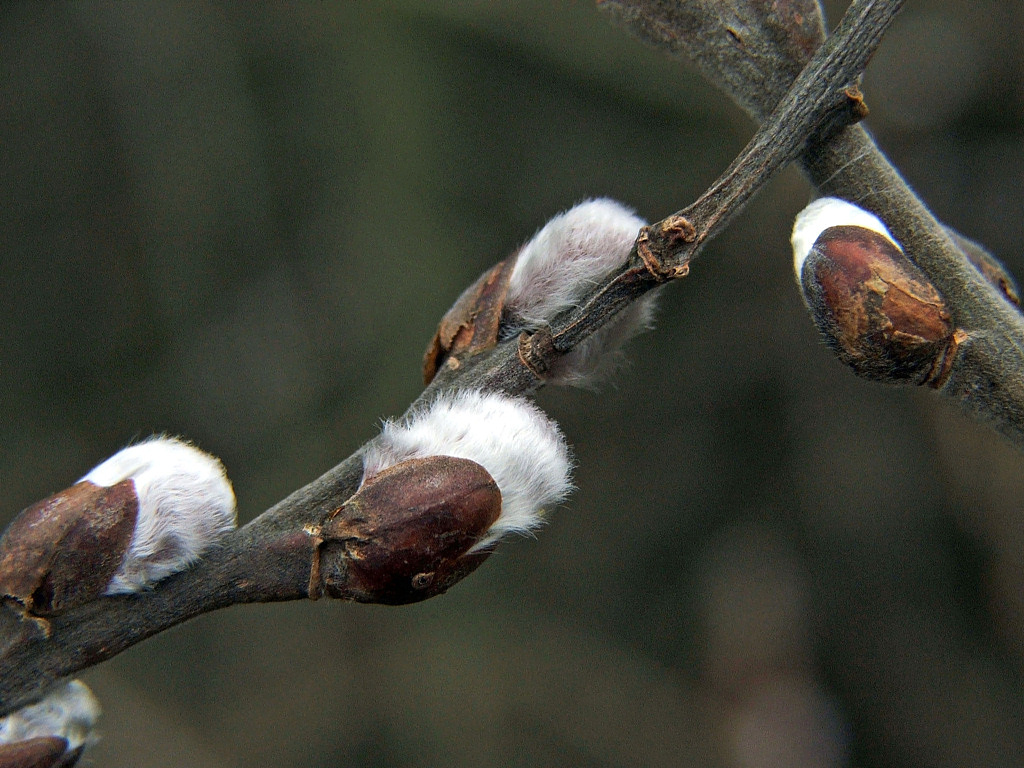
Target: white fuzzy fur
{"x": 69, "y": 711}
{"x": 823, "y": 213}
{"x": 568, "y": 256}
{"x": 185, "y": 504}
{"x": 565, "y": 261}
{"x": 521, "y": 448}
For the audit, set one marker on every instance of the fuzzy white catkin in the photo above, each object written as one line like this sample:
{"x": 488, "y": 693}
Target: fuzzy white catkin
{"x": 560, "y": 265}
{"x": 521, "y": 448}
{"x": 186, "y": 504}
{"x": 822, "y": 214}
{"x": 68, "y": 711}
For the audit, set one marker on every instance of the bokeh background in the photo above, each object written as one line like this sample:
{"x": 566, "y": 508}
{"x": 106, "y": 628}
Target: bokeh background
{"x": 240, "y": 222}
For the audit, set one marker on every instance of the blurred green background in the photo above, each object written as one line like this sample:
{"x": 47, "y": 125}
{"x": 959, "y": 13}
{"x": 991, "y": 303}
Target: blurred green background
{"x": 241, "y": 221}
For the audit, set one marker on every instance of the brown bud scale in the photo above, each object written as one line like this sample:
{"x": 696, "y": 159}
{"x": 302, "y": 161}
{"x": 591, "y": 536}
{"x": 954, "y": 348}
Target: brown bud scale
{"x": 405, "y": 535}
{"x": 656, "y": 245}
{"x": 42, "y": 752}
{"x": 876, "y": 309}
{"x": 473, "y": 322}
{"x": 62, "y": 551}
{"x": 70, "y": 758}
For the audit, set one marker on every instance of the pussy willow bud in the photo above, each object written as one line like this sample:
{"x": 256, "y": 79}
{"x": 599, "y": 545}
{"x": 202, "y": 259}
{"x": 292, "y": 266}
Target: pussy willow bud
{"x": 440, "y": 488}
{"x": 145, "y": 513}
{"x": 556, "y": 270}
{"x": 553, "y": 272}
{"x": 407, "y": 534}
{"x": 519, "y": 446}
{"x": 878, "y": 311}
{"x": 186, "y": 504}
{"x": 63, "y": 551}
{"x": 52, "y": 732}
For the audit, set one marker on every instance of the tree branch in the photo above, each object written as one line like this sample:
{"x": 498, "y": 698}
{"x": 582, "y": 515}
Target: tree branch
{"x": 750, "y": 49}
{"x": 987, "y": 375}
{"x": 277, "y": 556}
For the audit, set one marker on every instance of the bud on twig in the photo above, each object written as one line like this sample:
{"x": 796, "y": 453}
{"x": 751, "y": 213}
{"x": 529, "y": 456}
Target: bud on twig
{"x": 553, "y": 272}
{"x": 518, "y": 445}
{"x": 63, "y": 551}
{"x": 440, "y": 488}
{"x": 186, "y": 504}
{"x": 407, "y": 533}
{"x": 556, "y": 270}
{"x": 52, "y": 732}
{"x": 879, "y": 313}
{"x": 145, "y": 513}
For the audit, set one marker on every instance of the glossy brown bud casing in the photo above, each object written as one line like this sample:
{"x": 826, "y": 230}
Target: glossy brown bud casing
{"x": 42, "y": 752}
{"x": 62, "y": 551}
{"x": 472, "y": 324}
{"x": 406, "y": 534}
{"x": 876, "y": 309}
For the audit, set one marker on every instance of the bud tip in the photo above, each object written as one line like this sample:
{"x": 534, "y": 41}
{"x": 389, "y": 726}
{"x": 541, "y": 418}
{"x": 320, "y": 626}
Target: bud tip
{"x": 825, "y": 213}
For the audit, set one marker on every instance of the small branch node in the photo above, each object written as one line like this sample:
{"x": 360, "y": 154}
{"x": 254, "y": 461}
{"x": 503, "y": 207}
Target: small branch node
{"x": 535, "y": 350}
{"x": 315, "y": 590}
{"x": 944, "y": 363}
{"x": 659, "y": 246}
{"x": 857, "y": 106}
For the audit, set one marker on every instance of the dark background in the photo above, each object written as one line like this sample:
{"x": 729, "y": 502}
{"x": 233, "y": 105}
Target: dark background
{"x": 240, "y": 222}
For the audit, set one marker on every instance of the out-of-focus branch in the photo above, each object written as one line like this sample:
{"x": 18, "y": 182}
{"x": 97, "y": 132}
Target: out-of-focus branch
{"x": 281, "y": 555}
{"x": 751, "y": 48}
{"x": 822, "y": 101}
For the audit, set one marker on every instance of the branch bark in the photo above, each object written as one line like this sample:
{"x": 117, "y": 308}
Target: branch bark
{"x": 750, "y": 49}
{"x": 272, "y": 558}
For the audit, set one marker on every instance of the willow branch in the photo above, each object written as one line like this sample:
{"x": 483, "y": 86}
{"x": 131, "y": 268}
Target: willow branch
{"x": 275, "y": 557}
{"x": 752, "y": 49}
